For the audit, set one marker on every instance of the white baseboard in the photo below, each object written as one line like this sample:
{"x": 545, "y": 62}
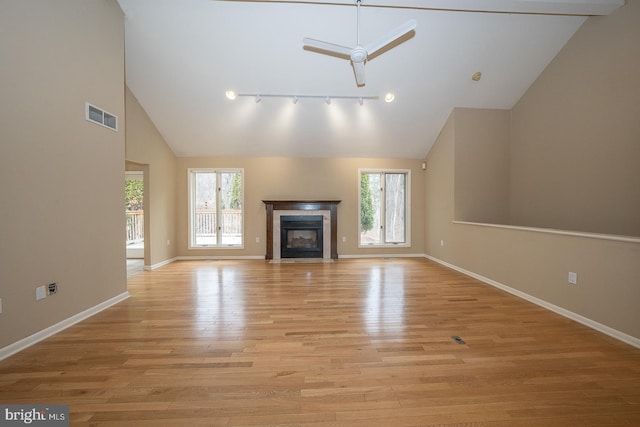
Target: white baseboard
{"x": 631, "y": 340}
{"x": 215, "y": 257}
{"x": 18, "y": 346}
{"x": 160, "y": 264}
{"x": 198, "y": 257}
{"x": 381, "y": 256}
{"x": 261, "y": 257}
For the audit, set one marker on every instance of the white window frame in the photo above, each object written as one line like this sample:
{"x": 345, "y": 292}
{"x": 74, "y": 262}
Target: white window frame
{"x": 191, "y": 191}
{"x": 405, "y": 244}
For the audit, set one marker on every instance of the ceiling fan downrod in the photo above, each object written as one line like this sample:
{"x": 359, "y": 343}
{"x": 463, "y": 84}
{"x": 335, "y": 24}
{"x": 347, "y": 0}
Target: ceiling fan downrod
{"x": 358, "y": 22}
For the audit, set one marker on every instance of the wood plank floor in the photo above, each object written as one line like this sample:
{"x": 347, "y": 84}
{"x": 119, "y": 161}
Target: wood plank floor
{"x": 349, "y": 343}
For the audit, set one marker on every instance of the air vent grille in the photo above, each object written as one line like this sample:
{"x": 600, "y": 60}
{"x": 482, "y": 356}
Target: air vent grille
{"x": 101, "y": 117}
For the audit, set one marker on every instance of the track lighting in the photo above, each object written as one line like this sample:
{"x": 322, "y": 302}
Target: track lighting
{"x": 296, "y": 97}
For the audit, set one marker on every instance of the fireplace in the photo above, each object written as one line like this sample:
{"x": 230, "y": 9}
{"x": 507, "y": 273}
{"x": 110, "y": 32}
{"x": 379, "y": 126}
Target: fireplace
{"x": 324, "y": 234}
{"x": 301, "y": 236}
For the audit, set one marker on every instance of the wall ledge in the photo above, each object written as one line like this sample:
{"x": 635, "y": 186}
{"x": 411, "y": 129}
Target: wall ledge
{"x": 611, "y": 237}
{"x": 614, "y": 333}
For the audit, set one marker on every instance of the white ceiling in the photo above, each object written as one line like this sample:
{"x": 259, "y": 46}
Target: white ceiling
{"x": 181, "y": 57}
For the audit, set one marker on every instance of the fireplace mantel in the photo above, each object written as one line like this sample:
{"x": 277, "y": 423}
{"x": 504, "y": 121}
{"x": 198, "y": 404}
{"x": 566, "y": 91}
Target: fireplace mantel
{"x": 302, "y": 205}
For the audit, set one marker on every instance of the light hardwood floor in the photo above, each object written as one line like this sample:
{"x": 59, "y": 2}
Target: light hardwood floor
{"x": 349, "y": 343}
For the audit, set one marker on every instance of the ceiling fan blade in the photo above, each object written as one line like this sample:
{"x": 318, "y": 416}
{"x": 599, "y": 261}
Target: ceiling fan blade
{"x": 329, "y": 47}
{"x": 358, "y": 68}
{"x": 392, "y": 36}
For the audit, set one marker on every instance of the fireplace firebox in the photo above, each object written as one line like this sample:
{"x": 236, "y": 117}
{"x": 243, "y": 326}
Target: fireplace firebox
{"x": 301, "y": 236}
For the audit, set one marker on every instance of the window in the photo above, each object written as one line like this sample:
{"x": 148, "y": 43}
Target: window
{"x": 216, "y": 208}
{"x": 384, "y": 208}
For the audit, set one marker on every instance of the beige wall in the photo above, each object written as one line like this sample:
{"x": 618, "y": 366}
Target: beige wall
{"x": 482, "y": 165}
{"x": 61, "y": 177}
{"x": 575, "y": 150}
{"x": 147, "y": 150}
{"x": 301, "y": 178}
{"x": 440, "y": 192}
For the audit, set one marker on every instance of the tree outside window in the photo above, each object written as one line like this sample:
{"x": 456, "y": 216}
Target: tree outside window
{"x": 384, "y": 207}
{"x": 133, "y": 194}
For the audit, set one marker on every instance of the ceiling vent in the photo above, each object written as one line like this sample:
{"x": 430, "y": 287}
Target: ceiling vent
{"x": 101, "y": 117}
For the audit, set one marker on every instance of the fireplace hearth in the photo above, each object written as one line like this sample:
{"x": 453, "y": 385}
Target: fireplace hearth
{"x": 301, "y": 236}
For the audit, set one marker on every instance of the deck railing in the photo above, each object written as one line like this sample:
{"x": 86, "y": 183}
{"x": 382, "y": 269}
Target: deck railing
{"x": 135, "y": 226}
{"x": 206, "y": 223}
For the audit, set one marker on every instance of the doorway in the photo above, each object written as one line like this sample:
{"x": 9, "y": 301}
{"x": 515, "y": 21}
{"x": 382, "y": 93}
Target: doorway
{"x": 134, "y": 212}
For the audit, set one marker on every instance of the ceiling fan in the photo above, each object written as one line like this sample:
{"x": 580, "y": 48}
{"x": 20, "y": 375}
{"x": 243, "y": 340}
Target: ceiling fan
{"x": 359, "y": 54}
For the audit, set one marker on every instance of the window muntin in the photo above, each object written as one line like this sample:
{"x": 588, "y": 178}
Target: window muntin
{"x": 384, "y": 207}
{"x": 216, "y": 215}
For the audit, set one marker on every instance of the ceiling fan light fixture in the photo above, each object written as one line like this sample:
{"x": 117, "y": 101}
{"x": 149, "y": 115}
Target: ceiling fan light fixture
{"x": 231, "y": 94}
{"x": 389, "y": 97}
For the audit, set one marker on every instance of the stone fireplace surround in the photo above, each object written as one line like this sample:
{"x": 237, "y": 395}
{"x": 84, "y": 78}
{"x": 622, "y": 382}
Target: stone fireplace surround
{"x": 327, "y": 208}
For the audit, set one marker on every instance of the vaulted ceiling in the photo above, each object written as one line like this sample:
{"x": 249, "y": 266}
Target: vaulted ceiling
{"x": 182, "y": 56}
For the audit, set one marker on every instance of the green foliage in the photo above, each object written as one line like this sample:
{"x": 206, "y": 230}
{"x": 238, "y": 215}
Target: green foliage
{"x": 133, "y": 194}
{"x": 236, "y": 192}
{"x": 366, "y": 204}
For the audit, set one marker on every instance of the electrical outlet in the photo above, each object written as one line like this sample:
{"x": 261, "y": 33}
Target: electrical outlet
{"x": 52, "y": 288}
{"x": 573, "y": 278}
{"x": 41, "y": 293}
{"x": 344, "y": 239}
{"x": 258, "y": 239}
{"x": 0, "y": 305}
{"x": 441, "y": 242}
{"x": 168, "y": 242}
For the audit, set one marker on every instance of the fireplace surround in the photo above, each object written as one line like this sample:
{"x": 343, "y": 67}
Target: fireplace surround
{"x": 325, "y": 209}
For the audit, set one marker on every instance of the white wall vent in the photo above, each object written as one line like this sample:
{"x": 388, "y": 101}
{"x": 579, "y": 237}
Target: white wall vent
{"x": 101, "y": 117}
